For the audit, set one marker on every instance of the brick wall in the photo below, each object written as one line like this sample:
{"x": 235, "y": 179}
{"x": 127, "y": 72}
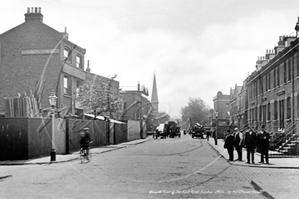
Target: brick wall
{"x": 265, "y": 91}
{"x": 21, "y": 62}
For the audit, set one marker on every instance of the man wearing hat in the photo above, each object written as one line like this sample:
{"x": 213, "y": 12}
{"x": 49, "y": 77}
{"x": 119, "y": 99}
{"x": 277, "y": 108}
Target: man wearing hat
{"x": 238, "y": 140}
{"x": 229, "y": 144}
{"x": 264, "y": 139}
{"x": 250, "y": 142}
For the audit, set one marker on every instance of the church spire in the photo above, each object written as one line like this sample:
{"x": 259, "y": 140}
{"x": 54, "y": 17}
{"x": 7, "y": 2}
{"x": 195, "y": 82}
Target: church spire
{"x": 154, "y": 97}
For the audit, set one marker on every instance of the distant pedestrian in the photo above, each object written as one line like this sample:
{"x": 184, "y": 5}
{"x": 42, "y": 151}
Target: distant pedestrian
{"x": 238, "y": 140}
{"x": 214, "y": 135}
{"x": 250, "y": 142}
{"x": 229, "y": 144}
{"x": 264, "y": 145}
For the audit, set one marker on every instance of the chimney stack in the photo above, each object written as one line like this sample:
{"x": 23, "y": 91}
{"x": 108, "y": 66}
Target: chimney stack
{"x": 34, "y": 14}
{"x": 88, "y": 69}
{"x": 270, "y": 54}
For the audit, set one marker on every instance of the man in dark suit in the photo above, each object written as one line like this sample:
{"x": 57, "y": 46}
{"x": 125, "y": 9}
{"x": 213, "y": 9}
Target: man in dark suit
{"x": 250, "y": 142}
{"x": 238, "y": 139}
{"x": 265, "y": 136}
{"x": 229, "y": 144}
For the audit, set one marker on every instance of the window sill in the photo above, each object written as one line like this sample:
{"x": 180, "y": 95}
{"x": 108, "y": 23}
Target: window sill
{"x": 67, "y": 95}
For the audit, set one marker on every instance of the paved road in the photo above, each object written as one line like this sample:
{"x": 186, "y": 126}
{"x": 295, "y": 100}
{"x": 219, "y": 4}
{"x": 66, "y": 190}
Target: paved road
{"x": 162, "y": 168}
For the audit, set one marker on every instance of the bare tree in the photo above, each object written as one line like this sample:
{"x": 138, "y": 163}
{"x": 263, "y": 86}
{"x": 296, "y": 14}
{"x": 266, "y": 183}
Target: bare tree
{"x": 96, "y": 97}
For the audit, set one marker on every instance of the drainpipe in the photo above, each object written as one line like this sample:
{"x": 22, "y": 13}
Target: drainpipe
{"x": 67, "y": 135}
{"x": 293, "y": 90}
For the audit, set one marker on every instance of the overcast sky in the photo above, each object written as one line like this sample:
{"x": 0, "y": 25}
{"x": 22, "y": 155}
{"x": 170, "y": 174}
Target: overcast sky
{"x": 195, "y": 47}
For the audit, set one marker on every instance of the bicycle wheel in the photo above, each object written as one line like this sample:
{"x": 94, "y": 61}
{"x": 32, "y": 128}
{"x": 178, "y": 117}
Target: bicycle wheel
{"x": 89, "y": 155}
{"x": 81, "y": 156}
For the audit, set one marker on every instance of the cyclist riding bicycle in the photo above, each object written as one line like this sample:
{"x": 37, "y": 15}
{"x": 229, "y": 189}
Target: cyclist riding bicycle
{"x": 85, "y": 140}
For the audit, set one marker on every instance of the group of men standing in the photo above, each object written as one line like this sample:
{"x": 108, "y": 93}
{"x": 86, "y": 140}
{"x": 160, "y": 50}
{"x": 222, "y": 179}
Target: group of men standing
{"x": 251, "y": 140}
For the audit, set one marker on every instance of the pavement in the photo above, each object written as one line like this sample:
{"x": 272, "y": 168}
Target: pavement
{"x": 265, "y": 184}
{"x": 73, "y": 156}
{"x": 282, "y": 163}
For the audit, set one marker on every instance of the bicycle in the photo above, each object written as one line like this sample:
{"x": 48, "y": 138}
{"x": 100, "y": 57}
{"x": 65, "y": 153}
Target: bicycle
{"x": 85, "y": 154}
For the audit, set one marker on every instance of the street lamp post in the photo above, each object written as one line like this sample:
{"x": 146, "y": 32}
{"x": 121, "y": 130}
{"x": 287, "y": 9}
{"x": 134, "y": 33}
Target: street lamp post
{"x": 52, "y": 100}
{"x": 216, "y": 136}
{"x": 141, "y": 118}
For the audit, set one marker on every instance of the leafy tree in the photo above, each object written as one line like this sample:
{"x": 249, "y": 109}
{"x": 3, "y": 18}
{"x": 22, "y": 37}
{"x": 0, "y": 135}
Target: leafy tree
{"x": 97, "y": 98}
{"x": 196, "y": 111}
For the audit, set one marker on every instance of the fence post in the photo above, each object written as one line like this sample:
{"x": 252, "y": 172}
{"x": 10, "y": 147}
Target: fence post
{"x": 67, "y": 135}
{"x": 108, "y": 132}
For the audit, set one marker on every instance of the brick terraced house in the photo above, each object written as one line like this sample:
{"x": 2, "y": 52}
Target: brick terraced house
{"x": 273, "y": 89}
{"x": 270, "y": 97}
{"x": 34, "y": 51}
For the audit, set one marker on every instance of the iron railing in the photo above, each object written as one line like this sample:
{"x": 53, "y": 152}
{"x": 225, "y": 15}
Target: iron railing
{"x": 285, "y": 143}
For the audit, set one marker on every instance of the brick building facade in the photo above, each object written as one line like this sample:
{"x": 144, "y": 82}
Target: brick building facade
{"x": 273, "y": 89}
{"x": 221, "y": 106}
{"x": 270, "y": 95}
{"x": 137, "y": 106}
{"x": 32, "y": 49}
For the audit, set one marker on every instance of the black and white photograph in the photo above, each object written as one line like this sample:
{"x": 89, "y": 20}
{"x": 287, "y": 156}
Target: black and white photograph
{"x": 149, "y": 99}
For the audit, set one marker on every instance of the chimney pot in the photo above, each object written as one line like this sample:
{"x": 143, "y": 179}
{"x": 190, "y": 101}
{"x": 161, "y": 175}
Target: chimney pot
{"x": 33, "y": 13}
